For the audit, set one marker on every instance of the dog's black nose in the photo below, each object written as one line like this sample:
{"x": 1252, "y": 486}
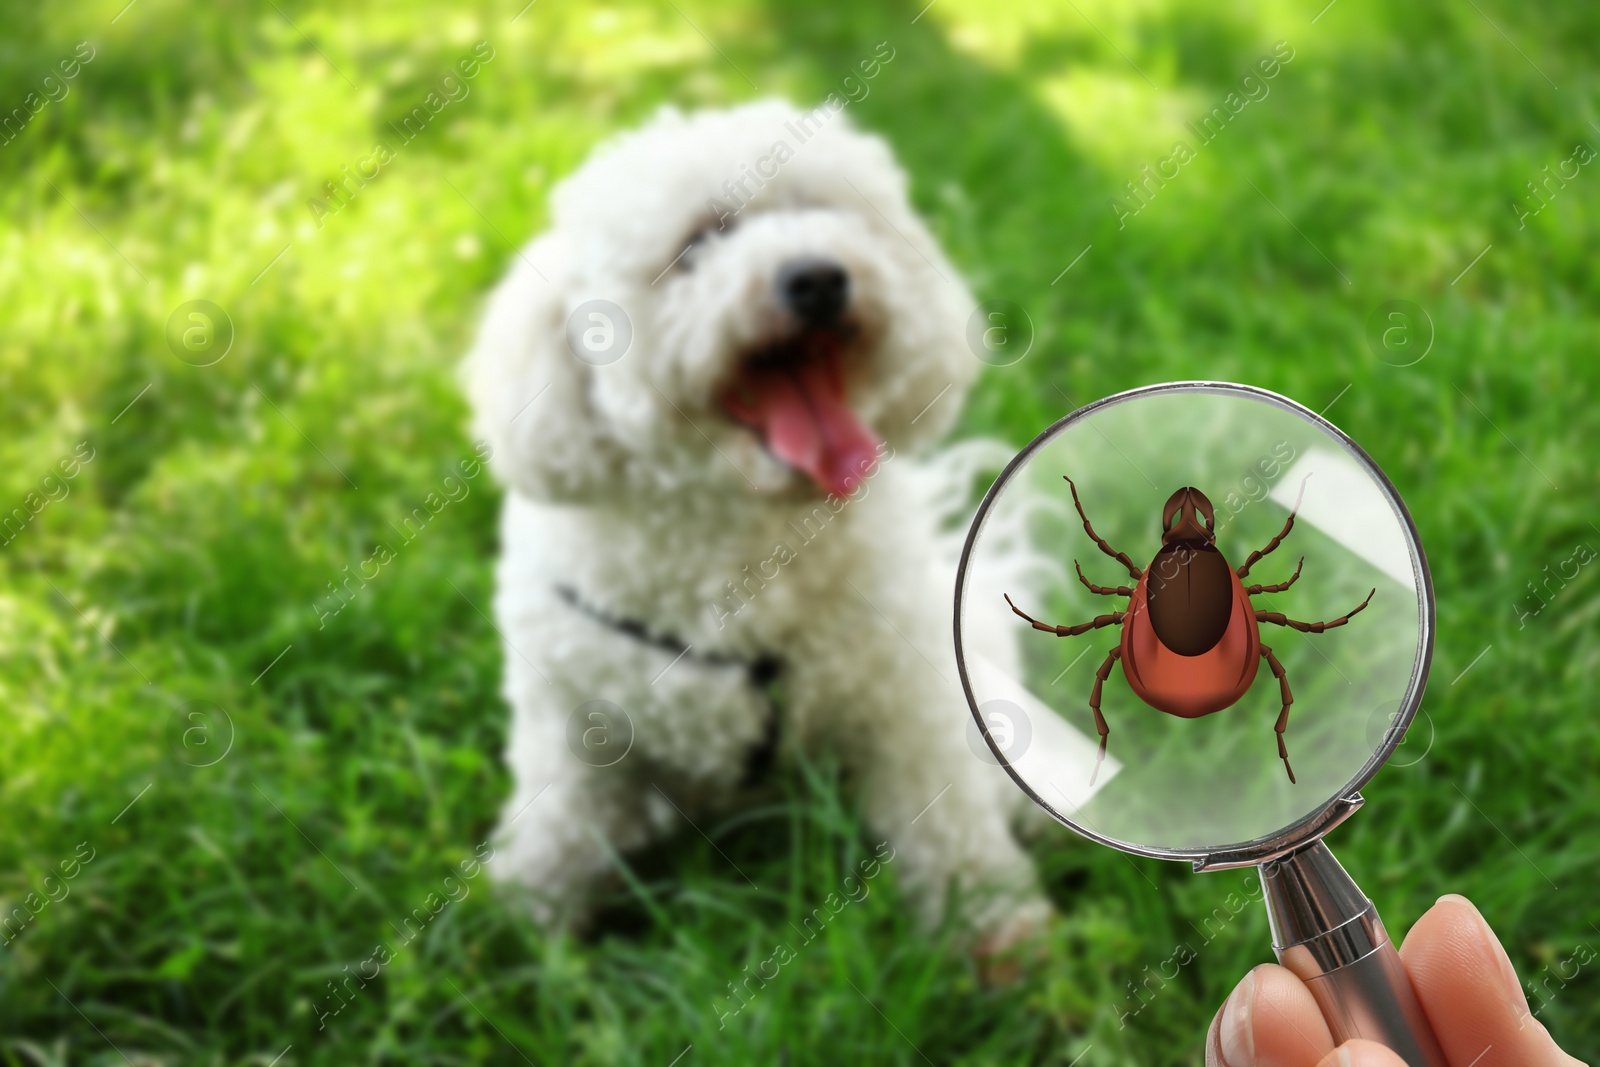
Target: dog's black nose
{"x": 815, "y": 290}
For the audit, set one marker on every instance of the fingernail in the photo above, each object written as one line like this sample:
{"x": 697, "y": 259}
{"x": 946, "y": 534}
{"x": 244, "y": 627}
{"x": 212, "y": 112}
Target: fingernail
{"x": 1237, "y": 1035}
{"x": 1508, "y": 973}
{"x": 1341, "y": 1057}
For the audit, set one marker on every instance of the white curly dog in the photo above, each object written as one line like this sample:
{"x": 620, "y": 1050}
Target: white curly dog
{"x": 706, "y": 386}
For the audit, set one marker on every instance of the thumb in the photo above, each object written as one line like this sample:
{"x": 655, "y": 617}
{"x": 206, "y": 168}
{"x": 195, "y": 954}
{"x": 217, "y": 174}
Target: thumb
{"x": 1360, "y": 1053}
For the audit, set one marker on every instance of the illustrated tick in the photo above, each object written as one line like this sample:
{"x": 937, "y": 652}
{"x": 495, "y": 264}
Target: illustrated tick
{"x": 1191, "y": 638}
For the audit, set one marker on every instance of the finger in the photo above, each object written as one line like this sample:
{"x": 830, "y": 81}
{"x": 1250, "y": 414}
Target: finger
{"x": 1213, "y": 1043}
{"x": 1470, "y": 991}
{"x": 1361, "y": 1053}
{"x": 1269, "y": 1020}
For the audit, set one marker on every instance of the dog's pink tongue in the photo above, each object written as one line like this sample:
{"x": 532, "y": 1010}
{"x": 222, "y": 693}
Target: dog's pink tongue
{"x": 801, "y": 412}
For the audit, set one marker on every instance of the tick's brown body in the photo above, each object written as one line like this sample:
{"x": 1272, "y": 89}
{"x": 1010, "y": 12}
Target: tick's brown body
{"x": 1191, "y": 639}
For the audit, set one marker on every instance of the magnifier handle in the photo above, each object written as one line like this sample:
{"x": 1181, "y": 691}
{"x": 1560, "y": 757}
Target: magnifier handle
{"x": 1329, "y": 934}
{"x": 1373, "y": 999}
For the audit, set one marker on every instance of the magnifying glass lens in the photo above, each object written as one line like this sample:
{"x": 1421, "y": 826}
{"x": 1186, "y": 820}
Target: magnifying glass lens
{"x": 1244, "y": 566}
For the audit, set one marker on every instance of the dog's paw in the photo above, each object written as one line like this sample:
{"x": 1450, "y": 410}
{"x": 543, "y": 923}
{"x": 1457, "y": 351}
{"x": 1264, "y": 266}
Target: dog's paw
{"x": 1007, "y": 944}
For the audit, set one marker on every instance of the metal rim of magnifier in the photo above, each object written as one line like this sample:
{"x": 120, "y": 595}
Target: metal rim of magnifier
{"x": 1348, "y": 798}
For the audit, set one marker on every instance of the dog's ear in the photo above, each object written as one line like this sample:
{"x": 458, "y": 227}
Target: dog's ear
{"x": 931, "y": 317}
{"x": 529, "y": 393}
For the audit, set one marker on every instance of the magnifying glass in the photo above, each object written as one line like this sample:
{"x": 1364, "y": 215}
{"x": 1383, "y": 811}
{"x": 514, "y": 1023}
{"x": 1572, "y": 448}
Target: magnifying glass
{"x": 1231, "y": 606}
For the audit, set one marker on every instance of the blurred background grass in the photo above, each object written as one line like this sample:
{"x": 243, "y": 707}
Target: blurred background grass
{"x": 177, "y": 575}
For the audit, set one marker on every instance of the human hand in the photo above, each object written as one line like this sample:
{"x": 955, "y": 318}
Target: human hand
{"x": 1462, "y": 976}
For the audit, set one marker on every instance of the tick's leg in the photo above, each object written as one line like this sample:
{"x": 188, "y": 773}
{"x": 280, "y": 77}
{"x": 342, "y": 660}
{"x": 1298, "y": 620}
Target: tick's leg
{"x": 1069, "y": 631}
{"x": 1100, "y": 677}
{"x": 1288, "y": 698}
{"x": 1255, "y": 557}
{"x": 1120, "y": 557}
{"x": 1102, "y": 590}
{"x": 1311, "y": 627}
{"x": 1252, "y": 590}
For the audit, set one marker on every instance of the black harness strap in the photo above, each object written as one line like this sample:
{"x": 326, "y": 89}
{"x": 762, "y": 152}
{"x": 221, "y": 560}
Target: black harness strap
{"x": 639, "y": 632}
{"x": 761, "y": 672}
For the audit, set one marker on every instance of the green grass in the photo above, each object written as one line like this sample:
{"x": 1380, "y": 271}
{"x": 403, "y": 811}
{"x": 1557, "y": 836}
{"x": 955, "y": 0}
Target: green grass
{"x": 364, "y": 763}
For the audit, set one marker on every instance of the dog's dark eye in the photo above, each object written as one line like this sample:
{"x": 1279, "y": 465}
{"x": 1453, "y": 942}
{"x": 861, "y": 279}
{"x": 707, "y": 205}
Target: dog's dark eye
{"x": 696, "y": 241}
